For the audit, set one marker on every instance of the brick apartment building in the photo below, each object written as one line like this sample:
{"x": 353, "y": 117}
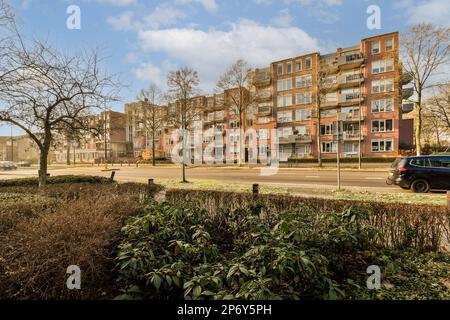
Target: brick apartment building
{"x": 91, "y": 148}
{"x": 304, "y": 97}
{"x": 301, "y": 98}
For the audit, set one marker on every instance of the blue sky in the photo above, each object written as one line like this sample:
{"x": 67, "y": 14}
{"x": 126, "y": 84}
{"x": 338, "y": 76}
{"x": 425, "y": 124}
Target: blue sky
{"x": 144, "y": 39}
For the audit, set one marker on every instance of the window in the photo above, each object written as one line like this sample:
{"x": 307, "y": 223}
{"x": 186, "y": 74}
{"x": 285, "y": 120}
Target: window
{"x": 304, "y": 98}
{"x": 303, "y": 115}
{"x": 234, "y": 124}
{"x": 289, "y": 68}
{"x": 284, "y": 101}
{"x": 298, "y": 65}
{"x": 263, "y": 120}
{"x": 283, "y": 85}
{"x": 280, "y": 69}
{"x": 303, "y": 82}
{"x": 420, "y": 162}
{"x": 351, "y": 147}
{"x": 263, "y": 134}
{"x": 308, "y": 63}
{"x": 263, "y": 150}
{"x": 329, "y": 147}
{"x": 385, "y": 85}
{"x": 381, "y": 66}
{"x": 382, "y": 145}
{"x": 328, "y": 113}
{"x": 390, "y": 44}
{"x": 326, "y": 129}
{"x": 382, "y": 125}
{"x": 302, "y": 130}
{"x": 376, "y": 47}
{"x": 383, "y": 105}
{"x": 303, "y": 149}
{"x": 285, "y": 132}
{"x": 284, "y": 117}
{"x": 440, "y": 162}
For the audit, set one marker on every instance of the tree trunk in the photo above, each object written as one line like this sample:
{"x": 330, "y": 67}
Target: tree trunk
{"x": 319, "y": 146}
{"x": 419, "y": 126}
{"x": 68, "y": 155}
{"x": 153, "y": 149}
{"x": 43, "y": 166}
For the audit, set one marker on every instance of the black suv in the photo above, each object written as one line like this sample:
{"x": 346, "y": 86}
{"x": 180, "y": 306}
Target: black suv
{"x": 421, "y": 174}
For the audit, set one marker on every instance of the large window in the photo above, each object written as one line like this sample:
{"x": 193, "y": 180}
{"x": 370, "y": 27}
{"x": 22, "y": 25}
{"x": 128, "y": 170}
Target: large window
{"x": 308, "y": 63}
{"x": 382, "y": 125}
{"x": 375, "y": 47}
{"x": 298, "y": 65}
{"x": 382, "y": 105}
{"x": 390, "y": 44}
{"x": 302, "y": 130}
{"x": 284, "y": 101}
{"x": 303, "y": 115}
{"x": 263, "y": 120}
{"x": 382, "y": 145}
{"x": 283, "y": 85}
{"x": 304, "y": 98}
{"x": 285, "y": 132}
{"x": 285, "y": 116}
{"x": 280, "y": 69}
{"x": 329, "y": 147}
{"x": 303, "y": 82}
{"x": 289, "y": 68}
{"x": 326, "y": 129}
{"x": 385, "y": 85}
{"x": 328, "y": 113}
{"x": 263, "y": 134}
{"x": 381, "y": 66}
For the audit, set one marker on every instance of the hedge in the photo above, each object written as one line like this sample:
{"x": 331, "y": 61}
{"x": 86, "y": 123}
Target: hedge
{"x": 54, "y": 180}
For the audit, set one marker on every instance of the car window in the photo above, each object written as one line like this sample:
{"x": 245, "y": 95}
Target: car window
{"x": 420, "y": 162}
{"x": 445, "y": 163}
{"x": 436, "y": 163}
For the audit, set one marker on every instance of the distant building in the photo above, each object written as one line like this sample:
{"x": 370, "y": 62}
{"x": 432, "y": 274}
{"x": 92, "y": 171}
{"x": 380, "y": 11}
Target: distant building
{"x": 19, "y": 148}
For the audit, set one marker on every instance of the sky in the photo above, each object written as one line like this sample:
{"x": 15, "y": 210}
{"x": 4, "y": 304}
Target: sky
{"x": 142, "y": 40}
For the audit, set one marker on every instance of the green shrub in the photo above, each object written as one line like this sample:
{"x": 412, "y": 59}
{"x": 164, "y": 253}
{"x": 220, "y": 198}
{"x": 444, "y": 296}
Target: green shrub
{"x": 173, "y": 252}
{"x": 54, "y": 180}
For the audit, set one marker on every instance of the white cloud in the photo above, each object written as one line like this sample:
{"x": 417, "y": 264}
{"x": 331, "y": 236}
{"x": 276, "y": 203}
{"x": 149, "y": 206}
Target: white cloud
{"x": 211, "y": 52}
{"x": 284, "y": 19}
{"x": 209, "y": 5}
{"x": 430, "y": 11}
{"x": 153, "y": 73}
{"x": 119, "y": 3}
{"x": 162, "y": 16}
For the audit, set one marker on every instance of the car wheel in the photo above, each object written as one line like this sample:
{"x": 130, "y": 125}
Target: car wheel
{"x": 420, "y": 186}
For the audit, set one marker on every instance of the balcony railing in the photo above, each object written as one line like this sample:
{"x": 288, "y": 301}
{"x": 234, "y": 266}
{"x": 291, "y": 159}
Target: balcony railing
{"x": 351, "y": 79}
{"x": 262, "y": 79}
{"x": 407, "y": 93}
{"x": 352, "y": 136}
{"x": 352, "y": 60}
{"x": 296, "y": 138}
{"x": 350, "y": 97}
{"x": 353, "y": 116}
{"x": 264, "y": 110}
{"x": 263, "y": 96}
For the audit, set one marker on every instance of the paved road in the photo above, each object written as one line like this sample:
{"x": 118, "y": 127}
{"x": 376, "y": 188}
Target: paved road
{"x": 366, "y": 180}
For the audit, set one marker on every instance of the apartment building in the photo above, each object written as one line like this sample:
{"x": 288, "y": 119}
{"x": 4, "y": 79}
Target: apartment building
{"x": 349, "y": 101}
{"x": 108, "y": 141}
{"x": 353, "y": 96}
{"x": 19, "y": 148}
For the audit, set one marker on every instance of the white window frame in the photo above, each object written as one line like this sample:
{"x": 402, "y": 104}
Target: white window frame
{"x": 372, "y": 47}
{"x": 303, "y": 81}
{"x": 385, "y": 144}
{"x": 288, "y": 65}
{"x": 381, "y": 106}
{"x": 298, "y": 63}
{"x": 285, "y": 100}
{"x": 284, "y": 85}
{"x": 331, "y": 144}
{"x": 303, "y": 98}
{"x": 382, "y": 66}
{"x": 284, "y": 117}
{"x": 278, "y": 69}
{"x": 393, "y": 44}
{"x": 310, "y": 64}
{"x": 384, "y": 121}
{"x": 303, "y": 114}
{"x": 382, "y": 83}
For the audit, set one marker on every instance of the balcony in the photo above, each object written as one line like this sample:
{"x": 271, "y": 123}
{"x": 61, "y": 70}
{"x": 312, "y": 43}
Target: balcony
{"x": 350, "y": 98}
{"x": 350, "y": 80}
{"x": 352, "y": 117}
{"x": 406, "y": 78}
{"x": 407, "y": 93}
{"x": 263, "y": 96}
{"x": 350, "y": 61}
{"x": 296, "y": 138}
{"x": 329, "y": 103}
{"x": 407, "y": 108}
{"x": 262, "y": 79}
{"x": 264, "y": 111}
{"x": 352, "y": 136}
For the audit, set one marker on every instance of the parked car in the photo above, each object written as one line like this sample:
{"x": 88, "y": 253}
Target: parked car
{"x": 7, "y": 165}
{"x": 23, "y": 164}
{"x": 421, "y": 174}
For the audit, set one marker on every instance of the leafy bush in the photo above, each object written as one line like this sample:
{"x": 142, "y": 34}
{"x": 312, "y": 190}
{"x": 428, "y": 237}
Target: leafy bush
{"x": 54, "y": 180}
{"x": 173, "y": 252}
{"x": 424, "y": 227}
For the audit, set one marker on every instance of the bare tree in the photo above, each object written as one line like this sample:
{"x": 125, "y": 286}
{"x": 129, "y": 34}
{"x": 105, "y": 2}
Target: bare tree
{"x": 183, "y": 86}
{"x": 152, "y": 117}
{"x": 46, "y": 91}
{"x": 326, "y": 83}
{"x": 234, "y": 82}
{"x": 440, "y": 104}
{"x": 425, "y": 49}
